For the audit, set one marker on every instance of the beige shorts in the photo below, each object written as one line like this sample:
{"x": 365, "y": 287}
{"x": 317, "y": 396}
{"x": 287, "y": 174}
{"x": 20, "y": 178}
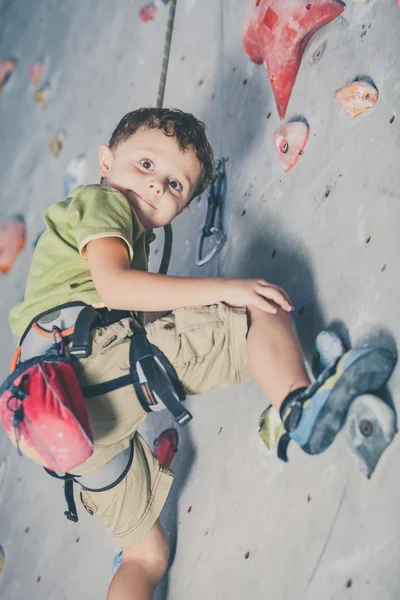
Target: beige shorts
{"x": 207, "y": 347}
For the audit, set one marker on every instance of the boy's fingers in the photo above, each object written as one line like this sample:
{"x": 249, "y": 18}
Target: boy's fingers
{"x": 277, "y": 296}
{"x": 286, "y": 295}
{"x": 264, "y": 305}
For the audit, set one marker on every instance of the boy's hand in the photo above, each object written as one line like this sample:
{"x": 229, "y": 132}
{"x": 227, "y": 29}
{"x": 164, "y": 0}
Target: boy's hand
{"x": 258, "y": 293}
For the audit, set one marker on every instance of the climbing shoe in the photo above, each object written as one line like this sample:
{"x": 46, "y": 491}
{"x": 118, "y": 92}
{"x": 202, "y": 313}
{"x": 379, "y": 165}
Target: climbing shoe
{"x": 313, "y": 416}
{"x": 328, "y": 348}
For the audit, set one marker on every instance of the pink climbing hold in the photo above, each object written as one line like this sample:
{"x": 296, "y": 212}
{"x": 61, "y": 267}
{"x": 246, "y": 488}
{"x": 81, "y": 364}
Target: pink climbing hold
{"x": 398, "y": 3}
{"x": 290, "y": 140}
{"x": 277, "y": 32}
{"x": 36, "y": 72}
{"x": 12, "y": 240}
{"x": 148, "y": 12}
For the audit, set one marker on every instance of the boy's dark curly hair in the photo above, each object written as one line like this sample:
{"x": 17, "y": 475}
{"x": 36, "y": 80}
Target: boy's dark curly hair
{"x": 188, "y": 131}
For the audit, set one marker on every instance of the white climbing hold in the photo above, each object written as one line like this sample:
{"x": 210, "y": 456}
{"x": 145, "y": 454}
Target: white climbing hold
{"x": 369, "y": 429}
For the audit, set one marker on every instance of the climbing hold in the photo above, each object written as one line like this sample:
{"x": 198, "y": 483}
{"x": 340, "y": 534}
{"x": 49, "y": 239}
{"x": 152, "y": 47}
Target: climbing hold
{"x": 328, "y": 348}
{"x": 398, "y": 3}
{"x": 166, "y": 446}
{"x": 42, "y": 95}
{"x": 56, "y": 143}
{"x": 76, "y": 173}
{"x": 290, "y": 140}
{"x": 12, "y": 240}
{"x": 148, "y": 12}
{"x": 369, "y": 429}
{"x": 356, "y": 97}
{"x": 36, "y": 72}
{"x": 6, "y": 69}
{"x": 277, "y": 32}
{"x": 270, "y": 427}
{"x": 2, "y": 559}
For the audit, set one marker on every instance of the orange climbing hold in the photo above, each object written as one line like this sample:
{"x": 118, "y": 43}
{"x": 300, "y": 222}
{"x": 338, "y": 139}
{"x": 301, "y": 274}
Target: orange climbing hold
{"x": 277, "y": 32}
{"x": 357, "y": 97}
{"x": 12, "y": 240}
{"x": 6, "y": 68}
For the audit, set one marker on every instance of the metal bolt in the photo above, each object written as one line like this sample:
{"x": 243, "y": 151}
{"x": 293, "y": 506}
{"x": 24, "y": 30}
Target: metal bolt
{"x": 366, "y": 428}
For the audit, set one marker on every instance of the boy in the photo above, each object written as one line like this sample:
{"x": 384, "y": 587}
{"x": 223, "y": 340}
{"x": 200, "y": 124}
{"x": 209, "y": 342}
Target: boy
{"x": 93, "y": 251}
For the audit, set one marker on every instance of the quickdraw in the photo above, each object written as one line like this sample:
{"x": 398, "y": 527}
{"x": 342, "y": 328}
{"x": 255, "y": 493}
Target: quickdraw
{"x": 213, "y": 225}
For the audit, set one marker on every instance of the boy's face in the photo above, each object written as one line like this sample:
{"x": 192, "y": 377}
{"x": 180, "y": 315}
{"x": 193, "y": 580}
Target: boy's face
{"x": 154, "y": 174}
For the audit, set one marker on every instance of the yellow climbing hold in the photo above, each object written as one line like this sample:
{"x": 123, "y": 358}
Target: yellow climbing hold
{"x": 271, "y": 427}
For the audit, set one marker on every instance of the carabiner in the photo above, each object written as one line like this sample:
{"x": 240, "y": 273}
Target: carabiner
{"x": 214, "y": 204}
{"x": 220, "y": 239}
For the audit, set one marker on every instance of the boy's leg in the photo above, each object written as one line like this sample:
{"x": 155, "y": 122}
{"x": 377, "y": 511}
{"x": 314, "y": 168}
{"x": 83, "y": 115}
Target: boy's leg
{"x": 274, "y": 355}
{"x": 142, "y": 568}
{"x": 214, "y": 346}
{"x": 312, "y": 414}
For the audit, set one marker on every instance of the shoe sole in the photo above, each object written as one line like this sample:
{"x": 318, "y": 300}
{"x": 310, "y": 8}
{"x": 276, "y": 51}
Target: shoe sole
{"x": 369, "y": 373}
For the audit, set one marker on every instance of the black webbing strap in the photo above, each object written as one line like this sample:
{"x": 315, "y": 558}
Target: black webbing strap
{"x": 157, "y": 381}
{"x": 144, "y": 354}
{"x": 87, "y": 319}
{"x": 290, "y": 412}
{"x": 69, "y": 480}
{"x": 81, "y": 339}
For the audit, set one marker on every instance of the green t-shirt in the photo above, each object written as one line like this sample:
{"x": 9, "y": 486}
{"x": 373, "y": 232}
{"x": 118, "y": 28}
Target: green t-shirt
{"x": 59, "y": 272}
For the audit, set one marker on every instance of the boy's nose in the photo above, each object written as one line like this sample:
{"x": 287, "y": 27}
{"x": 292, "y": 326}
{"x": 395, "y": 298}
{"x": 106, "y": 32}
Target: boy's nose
{"x": 157, "y": 187}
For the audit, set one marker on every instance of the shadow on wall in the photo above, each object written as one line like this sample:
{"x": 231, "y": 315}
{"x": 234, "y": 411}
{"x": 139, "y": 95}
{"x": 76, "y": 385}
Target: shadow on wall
{"x": 181, "y": 465}
{"x": 271, "y": 254}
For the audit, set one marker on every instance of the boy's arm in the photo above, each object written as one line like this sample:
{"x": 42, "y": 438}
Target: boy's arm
{"x": 127, "y": 289}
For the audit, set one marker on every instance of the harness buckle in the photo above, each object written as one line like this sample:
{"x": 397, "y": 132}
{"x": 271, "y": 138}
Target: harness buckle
{"x": 185, "y": 418}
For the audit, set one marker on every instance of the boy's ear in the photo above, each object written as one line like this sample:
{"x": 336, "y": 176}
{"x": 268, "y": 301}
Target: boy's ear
{"x": 105, "y": 160}
{"x": 183, "y": 210}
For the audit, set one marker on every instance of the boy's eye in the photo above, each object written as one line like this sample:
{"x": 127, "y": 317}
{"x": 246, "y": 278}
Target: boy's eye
{"x": 147, "y": 163}
{"x": 175, "y": 185}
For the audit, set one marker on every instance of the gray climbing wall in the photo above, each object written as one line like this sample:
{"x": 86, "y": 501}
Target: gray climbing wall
{"x": 327, "y": 231}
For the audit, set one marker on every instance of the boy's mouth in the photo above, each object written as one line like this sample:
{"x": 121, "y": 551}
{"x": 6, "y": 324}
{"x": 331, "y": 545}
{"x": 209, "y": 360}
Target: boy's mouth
{"x": 143, "y": 199}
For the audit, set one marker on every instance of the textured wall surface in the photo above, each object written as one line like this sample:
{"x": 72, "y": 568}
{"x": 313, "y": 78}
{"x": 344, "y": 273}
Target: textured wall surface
{"x": 327, "y": 231}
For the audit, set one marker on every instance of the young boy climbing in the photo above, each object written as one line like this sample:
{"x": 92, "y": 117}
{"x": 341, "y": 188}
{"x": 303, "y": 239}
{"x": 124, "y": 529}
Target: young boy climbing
{"x": 215, "y": 332}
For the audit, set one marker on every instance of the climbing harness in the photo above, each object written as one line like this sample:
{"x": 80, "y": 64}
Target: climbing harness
{"x": 154, "y": 379}
{"x": 213, "y": 226}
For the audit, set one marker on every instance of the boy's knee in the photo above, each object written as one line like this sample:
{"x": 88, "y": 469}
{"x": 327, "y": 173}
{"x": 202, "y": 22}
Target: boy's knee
{"x": 152, "y": 556}
{"x": 257, "y": 315}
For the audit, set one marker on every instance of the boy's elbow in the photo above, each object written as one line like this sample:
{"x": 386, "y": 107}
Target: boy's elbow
{"x": 109, "y": 290}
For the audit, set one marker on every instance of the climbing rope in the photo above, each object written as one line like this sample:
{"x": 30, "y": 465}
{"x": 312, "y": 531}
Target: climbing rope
{"x": 168, "y": 236}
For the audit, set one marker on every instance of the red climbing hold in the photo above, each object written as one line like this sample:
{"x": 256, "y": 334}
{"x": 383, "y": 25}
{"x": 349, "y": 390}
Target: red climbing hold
{"x": 166, "y": 446}
{"x": 12, "y": 240}
{"x": 148, "y": 12}
{"x": 277, "y": 32}
{"x": 290, "y": 140}
{"x": 6, "y": 69}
